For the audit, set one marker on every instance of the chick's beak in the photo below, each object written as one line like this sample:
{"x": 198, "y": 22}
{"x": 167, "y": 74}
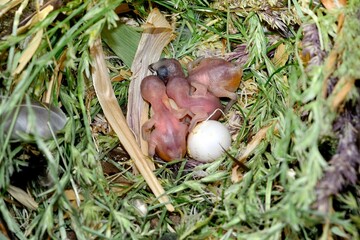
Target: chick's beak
{"x": 151, "y": 68}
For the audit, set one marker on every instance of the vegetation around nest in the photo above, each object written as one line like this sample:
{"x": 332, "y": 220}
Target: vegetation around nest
{"x": 295, "y": 125}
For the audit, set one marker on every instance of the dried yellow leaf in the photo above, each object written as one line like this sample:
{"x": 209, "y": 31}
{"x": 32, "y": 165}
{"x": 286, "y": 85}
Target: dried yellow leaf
{"x": 36, "y": 18}
{"x": 281, "y": 56}
{"x": 29, "y": 52}
{"x": 72, "y": 196}
{"x": 157, "y": 34}
{"x": 116, "y": 118}
{"x": 22, "y": 197}
{"x": 332, "y": 4}
{"x": 259, "y": 136}
{"x": 341, "y": 90}
{"x": 9, "y": 6}
{"x": 3, "y": 2}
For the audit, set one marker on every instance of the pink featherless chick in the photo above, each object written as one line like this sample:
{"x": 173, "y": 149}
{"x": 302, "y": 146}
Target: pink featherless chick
{"x": 179, "y": 89}
{"x": 165, "y": 133}
{"x": 216, "y": 75}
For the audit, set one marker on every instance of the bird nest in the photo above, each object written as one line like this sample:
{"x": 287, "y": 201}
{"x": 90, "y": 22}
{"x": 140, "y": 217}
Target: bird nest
{"x": 74, "y": 164}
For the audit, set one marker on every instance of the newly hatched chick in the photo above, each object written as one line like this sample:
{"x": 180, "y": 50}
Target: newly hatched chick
{"x": 201, "y": 107}
{"x": 215, "y": 75}
{"x": 168, "y": 137}
{"x": 179, "y": 89}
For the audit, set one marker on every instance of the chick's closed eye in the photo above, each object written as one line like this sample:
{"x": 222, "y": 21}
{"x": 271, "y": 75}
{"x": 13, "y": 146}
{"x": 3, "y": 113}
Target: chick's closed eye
{"x": 167, "y": 68}
{"x": 163, "y": 73}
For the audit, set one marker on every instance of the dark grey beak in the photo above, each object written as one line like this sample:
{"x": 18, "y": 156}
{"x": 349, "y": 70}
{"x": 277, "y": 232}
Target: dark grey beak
{"x": 151, "y": 68}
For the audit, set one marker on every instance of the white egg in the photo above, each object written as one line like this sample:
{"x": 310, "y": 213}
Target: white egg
{"x": 207, "y": 140}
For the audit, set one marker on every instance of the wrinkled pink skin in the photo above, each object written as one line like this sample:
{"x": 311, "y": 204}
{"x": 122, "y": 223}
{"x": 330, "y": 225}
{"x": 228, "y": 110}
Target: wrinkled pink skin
{"x": 165, "y": 133}
{"x": 179, "y": 89}
{"x": 201, "y": 107}
{"x": 215, "y": 75}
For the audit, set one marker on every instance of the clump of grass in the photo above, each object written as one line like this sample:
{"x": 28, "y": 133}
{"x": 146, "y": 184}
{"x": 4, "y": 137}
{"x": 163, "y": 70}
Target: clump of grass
{"x": 300, "y": 66}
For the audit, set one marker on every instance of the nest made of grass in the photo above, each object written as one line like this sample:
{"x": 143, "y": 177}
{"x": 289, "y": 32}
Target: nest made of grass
{"x": 295, "y": 124}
